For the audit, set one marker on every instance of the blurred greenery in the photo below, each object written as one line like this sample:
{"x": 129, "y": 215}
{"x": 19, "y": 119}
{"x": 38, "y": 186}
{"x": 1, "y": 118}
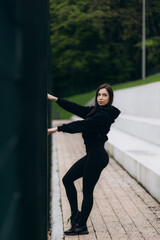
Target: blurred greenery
{"x": 100, "y": 41}
{"x": 83, "y": 99}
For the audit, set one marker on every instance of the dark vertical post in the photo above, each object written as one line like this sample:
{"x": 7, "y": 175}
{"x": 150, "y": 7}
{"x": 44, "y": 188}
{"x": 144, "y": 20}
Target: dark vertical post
{"x": 49, "y": 144}
{"x": 23, "y": 122}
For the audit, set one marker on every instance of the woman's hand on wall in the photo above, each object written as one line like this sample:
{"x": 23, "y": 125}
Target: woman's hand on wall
{"x": 53, "y": 98}
{"x": 51, "y": 130}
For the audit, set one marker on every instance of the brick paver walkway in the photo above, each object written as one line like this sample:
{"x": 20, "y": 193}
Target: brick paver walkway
{"x": 122, "y": 208}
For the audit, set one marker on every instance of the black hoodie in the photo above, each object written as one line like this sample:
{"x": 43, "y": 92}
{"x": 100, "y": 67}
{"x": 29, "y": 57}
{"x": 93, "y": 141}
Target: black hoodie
{"x": 94, "y": 128}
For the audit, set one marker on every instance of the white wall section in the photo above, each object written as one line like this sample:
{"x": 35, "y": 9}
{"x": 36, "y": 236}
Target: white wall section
{"x": 134, "y": 139}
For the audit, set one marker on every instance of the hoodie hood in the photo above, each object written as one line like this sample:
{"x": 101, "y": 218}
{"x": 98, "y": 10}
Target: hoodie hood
{"x": 112, "y": 111}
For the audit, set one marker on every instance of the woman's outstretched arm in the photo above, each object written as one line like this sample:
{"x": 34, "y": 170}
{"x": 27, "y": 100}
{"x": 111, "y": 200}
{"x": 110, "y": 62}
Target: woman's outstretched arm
{"x": 100, "y": 122}
{"x": 81, "y": 111}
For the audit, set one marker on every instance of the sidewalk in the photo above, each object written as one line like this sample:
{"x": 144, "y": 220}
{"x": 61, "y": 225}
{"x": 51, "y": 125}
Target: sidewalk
{"x": 122, "y": 208}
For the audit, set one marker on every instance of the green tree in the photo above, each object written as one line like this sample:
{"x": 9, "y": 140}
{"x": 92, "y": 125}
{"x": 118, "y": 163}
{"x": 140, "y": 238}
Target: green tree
{"x": 96, "y": 41}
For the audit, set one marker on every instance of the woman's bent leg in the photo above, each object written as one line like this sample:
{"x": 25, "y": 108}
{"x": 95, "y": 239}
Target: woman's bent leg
{"x": 87, "y": 204}
{"x": 95, "y": 163}
{"x": 75, "y": 172}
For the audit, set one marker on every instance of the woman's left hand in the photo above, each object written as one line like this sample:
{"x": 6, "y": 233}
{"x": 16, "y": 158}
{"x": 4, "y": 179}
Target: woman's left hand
{"x": 51, "y": 130}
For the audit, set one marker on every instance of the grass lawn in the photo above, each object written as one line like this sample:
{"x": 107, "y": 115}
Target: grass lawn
{"x": 150, "y": 79}
{"x": 58, "y": 112}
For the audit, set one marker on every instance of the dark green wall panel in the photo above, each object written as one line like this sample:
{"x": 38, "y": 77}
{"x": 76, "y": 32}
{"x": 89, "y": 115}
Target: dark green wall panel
{"x": 23, "y": 119}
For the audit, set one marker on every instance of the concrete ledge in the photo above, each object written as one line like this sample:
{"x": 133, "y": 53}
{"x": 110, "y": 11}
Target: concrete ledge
{"x": 147, "y": 129}
{"x": 140, "y": 158}
{"x": 56, "y": 211}
{"x": 142, "y": 101}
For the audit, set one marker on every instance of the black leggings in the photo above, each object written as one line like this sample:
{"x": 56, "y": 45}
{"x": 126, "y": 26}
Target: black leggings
{"x": 89, "y": 167}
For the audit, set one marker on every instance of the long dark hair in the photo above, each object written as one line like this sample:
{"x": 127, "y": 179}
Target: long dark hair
{"x": 111, "y": 95}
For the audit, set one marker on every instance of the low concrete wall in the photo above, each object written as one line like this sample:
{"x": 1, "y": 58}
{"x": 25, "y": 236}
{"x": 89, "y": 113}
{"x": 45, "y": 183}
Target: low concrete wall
{"x": 140, "y": 111}
{"x": 140, "y": 158}
{"x": 134, "y": 139}
{"x": 143, "y": 101}
{"x": 147, "y": 129}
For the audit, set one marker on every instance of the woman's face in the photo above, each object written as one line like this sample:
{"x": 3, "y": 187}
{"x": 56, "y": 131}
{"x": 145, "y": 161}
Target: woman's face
{"x": 103, "y": 97}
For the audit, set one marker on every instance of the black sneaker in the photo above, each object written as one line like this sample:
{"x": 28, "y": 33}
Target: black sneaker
{"x": 74, "y": 219}
{"x": 69, "y": 231}
{"x": 77, "y": 230}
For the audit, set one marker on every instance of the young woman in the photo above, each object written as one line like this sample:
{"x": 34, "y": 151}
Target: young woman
{"x": 94, "y": 129}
